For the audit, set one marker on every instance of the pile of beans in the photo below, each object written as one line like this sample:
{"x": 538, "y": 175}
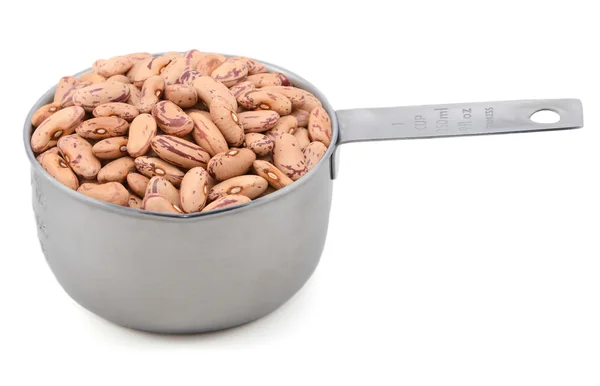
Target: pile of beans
{"x": 179, "y": 133}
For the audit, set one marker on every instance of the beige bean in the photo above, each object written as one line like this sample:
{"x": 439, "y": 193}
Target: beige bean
{"x": 67, "y": 99}
{"x": 194, "y": 190}
{"x": 137, "y": 183}
{"x": 151, "y": 92}
{"x": 92, "y": 77}
{"x": 301, "y": 99}
{"x": 240, "y": 88}
{"x": 112, "y": 192}
{"x": 230, "y": 72}
{"x": 116, "y": 109}
{"x": 116, "y": 65}
{"x": 57, "y": 125}
{"x": 173, "y": 70}
{"x": 266, "y": 79}
{"x": 226, "y": 202}
{"x": 288, "y": 157}
{"x": 152, "y": 166}
{"x": 135, "y": 202}
{"x": 231, "y": 163}
{"x": 254, "y": 66}
{"x": 286, "y": 124}
{"x": 249, "y": 186}
{"x": 258, "y": 121}
{"x": 141, "y": 132}
{"x": 275, "y": 177}
{"x": 102, "y": 128}
{"x": 119, "y": 78}
{"x": 98, "y": 94}
{"x": 41, "y": 114}
{"x": 206, "y": 133}
{"x": 260, "y": 144}
{"x": 78, "y": 154}
{"x": 301, "y": 135}
{"x": 110, "y": 148}
{"x": 208, "y": 63}
{"x": 157, "y": 203}
{"x": 65, "y": 84}
{"x": 179, "y": 152}
{"x": 319, "y": 126}
{"x": 227, "y": 121}
{"x": 116, "y": 170}
{"x": 135, "y": 94}
{"x": 145, "y": 68}
{"x": 313, "y": 154}
{"x": 301, "y": 116}
{"x": 52, "y": 150}
{"x": 162, "y": 187}
{"x": 171, "y": 119}
{"x": 265, "y": 100}
{"x": 182, "y": 95}
{"x": 192, "y": 57}
{"x": 58, "y": 168}
{"x": 207, "y": 88}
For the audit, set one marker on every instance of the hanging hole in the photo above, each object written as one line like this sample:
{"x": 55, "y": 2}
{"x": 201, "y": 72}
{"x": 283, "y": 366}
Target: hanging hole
{"x": 545, "y": 116}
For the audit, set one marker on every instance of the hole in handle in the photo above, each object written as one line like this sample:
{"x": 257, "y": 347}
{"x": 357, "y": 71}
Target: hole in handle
{"x": 545, "y": 116}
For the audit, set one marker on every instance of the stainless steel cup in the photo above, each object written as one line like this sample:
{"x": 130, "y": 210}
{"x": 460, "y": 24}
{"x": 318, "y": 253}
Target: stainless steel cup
{"x": 210, "y": 271}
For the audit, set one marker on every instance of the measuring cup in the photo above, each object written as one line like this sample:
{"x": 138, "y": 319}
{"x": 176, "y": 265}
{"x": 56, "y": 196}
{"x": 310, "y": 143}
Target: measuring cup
{"x": 208, "y": 271}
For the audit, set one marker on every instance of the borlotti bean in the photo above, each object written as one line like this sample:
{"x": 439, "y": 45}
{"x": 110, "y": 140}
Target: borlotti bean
{"x": 179, "y": 133}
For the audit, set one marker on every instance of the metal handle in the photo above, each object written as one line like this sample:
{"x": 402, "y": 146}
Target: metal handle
{"x": 461, "y": 119}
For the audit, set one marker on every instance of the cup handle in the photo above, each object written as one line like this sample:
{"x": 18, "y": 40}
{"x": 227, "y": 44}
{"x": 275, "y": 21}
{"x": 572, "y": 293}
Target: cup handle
{"x": 450, "y": 120}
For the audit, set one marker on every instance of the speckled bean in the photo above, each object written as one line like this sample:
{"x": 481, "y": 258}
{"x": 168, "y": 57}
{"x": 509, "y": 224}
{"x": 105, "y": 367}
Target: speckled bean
{"x": 110, "y": 148}
{"x": 157, "y": 203}
{"x": 58, "y": 168}
{"x": 231, "y": 163}
{"x": 65, "y": 84}
{"x": 301, "y": 116}
{"x": 194, "y": 190}
{"x": 302, "y": 137}
{"x": 102, "y": 128}
{"x": 275, "y": 177}
{"x": 260, "y": 144}
{"x": 162, "y": 187}
{"x": 179, "y": 152}
{"x": 151, "y": 92}
{"x": 98, "y": 94}
{"x": 207, "y": 88}
{"x": 137, "y": 183}
{"x": 116, "y": 65}
{"x": 267, "y": 79}
{"x": 145, "y": 68}
{"x": 92, "y": 78}
{"x": 171, "y": 119}
{"x": 78, "y": 154}
{"x": 313, "y": 153}
{"x": 265, "y": 100}
{"x": 319, "y": 126}
{"x": 135, "y": 94}
{"x": 112, "y": 192}
{"x": 141, "y": 132}
{"x": 206, "y": 133}
{"x": 173, "y": 70}
{"x": 116, "y": 170}
{"x": 41, "y": 114}
{"x": 288, "y": 157}
{"x": 258, "y": 121}
{"x": 182, "y": 95}
{"x": 116, "y": 109}
{"x": 62, "y": 123}
{"x": 230, "y": 72}
{"x": 134, "y": 202}
{"x": 119, "y": 78}
{"x": 226, "y": 119}
{"x": 287, "y": 124}
{"x": 152, "y": 166}
{"x": 249, "y": 186}
{"x": 254, "y": 66}
{"x": 301, "y": 99}
{"x": 208, "y": 63}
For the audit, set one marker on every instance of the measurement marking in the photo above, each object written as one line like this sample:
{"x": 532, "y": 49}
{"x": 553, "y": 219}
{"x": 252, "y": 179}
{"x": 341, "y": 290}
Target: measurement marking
{"x": 397, "y": 123}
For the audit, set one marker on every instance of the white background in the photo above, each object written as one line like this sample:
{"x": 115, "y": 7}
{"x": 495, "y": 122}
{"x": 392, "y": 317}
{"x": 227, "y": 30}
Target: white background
{"x": 469, "y": 261}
